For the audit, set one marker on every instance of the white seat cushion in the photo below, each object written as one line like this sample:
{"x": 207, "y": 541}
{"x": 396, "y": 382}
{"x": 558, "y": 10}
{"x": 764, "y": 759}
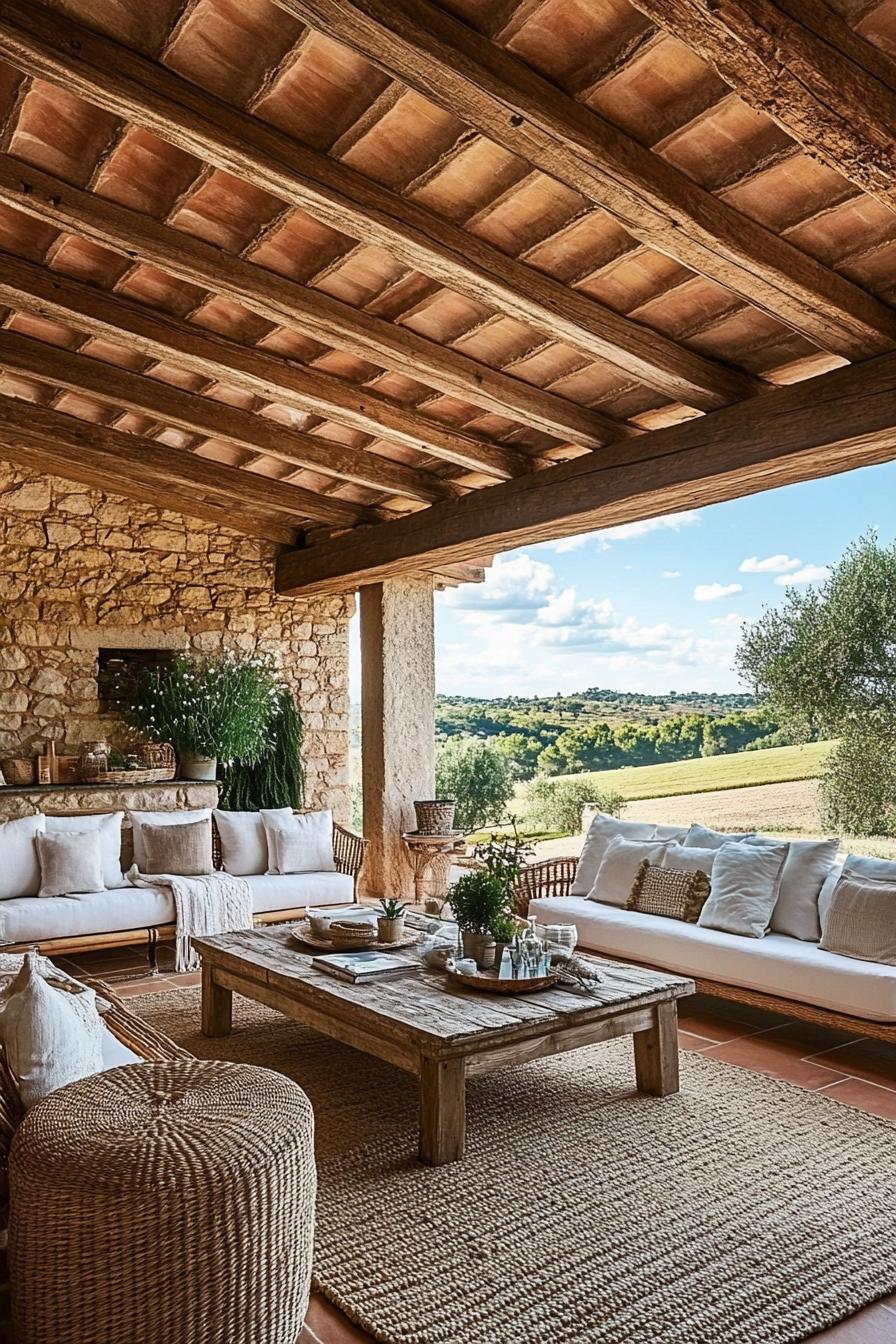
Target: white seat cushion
{"x": 28, "y": 919}
{"x": 114, "y": 1053}
{"x": 774, "y": 964}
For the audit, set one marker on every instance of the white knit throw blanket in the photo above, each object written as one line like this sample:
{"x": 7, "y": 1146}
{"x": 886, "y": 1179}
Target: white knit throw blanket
{"x": 216, "y": 903}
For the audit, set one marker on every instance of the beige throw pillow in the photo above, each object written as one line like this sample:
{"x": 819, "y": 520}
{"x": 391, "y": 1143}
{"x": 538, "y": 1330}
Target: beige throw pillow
{"x": 49, "y": 1037}
{"x": 746, "y": 879}
{"x": 861, "y": 921}
{"x": 300, "y": 844}
{"x": 619, "y": 868}
{"x": 71, "y": 862}
{"x": 183, "y": 851}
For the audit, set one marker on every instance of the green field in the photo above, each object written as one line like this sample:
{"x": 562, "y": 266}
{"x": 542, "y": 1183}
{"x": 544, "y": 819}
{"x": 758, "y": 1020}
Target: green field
{"x": 775, "y": 765}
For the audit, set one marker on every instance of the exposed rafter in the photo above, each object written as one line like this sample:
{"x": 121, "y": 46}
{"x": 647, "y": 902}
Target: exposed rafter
{"x": 490, "y": 89}
{"x": 97, "y": 312}
{"x": 797, "y": 61}
{"x": 48, "y": 45}
{"x": 841, "y": 420}
{"x": 214, "y": 419}
{"x": 297, "y": 307}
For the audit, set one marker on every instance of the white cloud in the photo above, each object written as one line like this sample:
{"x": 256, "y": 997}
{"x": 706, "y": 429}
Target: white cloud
{"x": 772, "y": 564}
{"x": 711, "y": 592}
{"x": 730, "y": 618}
{"x": 808, "y": 574}
{"x": 625, "y": 531}
{"x": 671, "y": 574}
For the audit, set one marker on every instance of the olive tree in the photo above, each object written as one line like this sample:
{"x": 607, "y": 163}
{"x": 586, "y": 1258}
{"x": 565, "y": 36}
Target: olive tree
{"x": 825, "y": 664}
{"x": 479, "y": 776}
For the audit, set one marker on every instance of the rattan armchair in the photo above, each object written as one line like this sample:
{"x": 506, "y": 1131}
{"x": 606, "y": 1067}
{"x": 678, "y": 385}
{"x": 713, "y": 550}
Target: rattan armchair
{"x": 548, "y": 877}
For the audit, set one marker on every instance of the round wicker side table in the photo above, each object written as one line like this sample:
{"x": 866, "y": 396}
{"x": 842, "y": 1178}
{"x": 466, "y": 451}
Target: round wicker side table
{"x": 166, "y": 1203}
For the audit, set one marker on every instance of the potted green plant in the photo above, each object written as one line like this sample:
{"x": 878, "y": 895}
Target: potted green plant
{"x": 503, "y": 930}
{"x": 390, "y": 919}
{"x": 208, "y": 708}
{"x": 477, "y": 899}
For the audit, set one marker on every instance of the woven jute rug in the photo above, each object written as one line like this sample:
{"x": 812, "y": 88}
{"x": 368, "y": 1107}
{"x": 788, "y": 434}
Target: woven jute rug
{"x": 742, "y": 1211}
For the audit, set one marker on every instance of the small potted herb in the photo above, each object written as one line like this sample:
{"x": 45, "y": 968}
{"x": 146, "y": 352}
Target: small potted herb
{"x": 390, "y": 919}
{"x": 477, "y": 899}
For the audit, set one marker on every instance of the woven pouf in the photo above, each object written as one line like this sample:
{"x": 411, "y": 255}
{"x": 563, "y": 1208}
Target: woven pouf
{"x": 164, "y": 1204}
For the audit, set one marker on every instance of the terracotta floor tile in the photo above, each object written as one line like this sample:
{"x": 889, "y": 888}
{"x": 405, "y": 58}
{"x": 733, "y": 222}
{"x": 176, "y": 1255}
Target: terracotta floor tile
{"x": 875, "y": 1325}
{"x": 328, "y": 1325}
{"x": 759, "y": 1018}
{"x": 875, "y": 1061}
{"x": 866, "y": 1097}
{"x": 129, "y": 989}
{"x": 767, "y": 1053}
{"x": 688, "y": 1041}
{"x": 716, "y": 1028}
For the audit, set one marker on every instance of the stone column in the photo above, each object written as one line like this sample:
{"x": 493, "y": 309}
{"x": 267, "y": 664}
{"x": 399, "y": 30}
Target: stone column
{"x": 397, "y": 724}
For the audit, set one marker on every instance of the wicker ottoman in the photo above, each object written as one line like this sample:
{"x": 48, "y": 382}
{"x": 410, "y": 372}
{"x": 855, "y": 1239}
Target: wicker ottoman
{"x": 163, "y": 1203}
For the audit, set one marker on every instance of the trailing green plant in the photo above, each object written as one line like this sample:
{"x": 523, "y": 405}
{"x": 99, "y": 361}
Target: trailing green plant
{"x": 211, "y": 706}
{"x": 477, "y": 899}
{"x": 391, "y": 907}
{"x": 504, "y": 855}
{"x": 276, "y": 779}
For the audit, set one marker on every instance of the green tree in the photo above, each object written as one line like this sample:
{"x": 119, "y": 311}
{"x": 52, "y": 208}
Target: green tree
{"x": 825, "y": 661}
{"x": 479, "y": 776}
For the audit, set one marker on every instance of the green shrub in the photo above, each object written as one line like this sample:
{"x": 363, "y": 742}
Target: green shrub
{"x": 477, "y": 900}
{"x": 478, "y": 776}
{"x": 556, "y": 804}
{"x": 276, "y": 779}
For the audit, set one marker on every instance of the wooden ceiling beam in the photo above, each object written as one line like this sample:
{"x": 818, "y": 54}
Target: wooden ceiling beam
{"x": 51, "y": 46}
{"x": 492, "y": 90}
{"x": 802, "y": 65}
{"x": 213, "y": 419}
{"x": 33, "y": 288}
{"x": 288, "y": 304}
{"x": 23, "y": 421}
{"x": 838, "y": 421}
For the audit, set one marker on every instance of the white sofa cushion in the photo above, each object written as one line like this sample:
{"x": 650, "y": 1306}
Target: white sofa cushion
{"x": 772, "y": 965}
{"x": 49, "y": 1037}
{"x": 70, "y": 861}
{"x": 619, "y": 868}
{"x": 29, "y": 919}
{"x": 746, "y": 880}
{"x": 704, "y": 837}
{"x": 141, "y": 819}
{"x": 244, "y": 845}
{"x": 602, "y": 830}
{"x": 807, "y": 865}
{"x": 862, "y": 920}
{"x": 108, "y": 824}
{"x": 19, "y": 866}
{"x": 689, "y": 859}
{"x": 300, "y": 844}
{"x": 114, "y": 1053}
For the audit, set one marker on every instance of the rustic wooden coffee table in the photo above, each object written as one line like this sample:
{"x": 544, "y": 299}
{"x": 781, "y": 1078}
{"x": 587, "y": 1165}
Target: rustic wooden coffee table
{"x": 443, "y": 1034}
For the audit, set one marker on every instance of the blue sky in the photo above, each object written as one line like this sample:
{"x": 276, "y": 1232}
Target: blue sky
{"x": 656, "y": 606}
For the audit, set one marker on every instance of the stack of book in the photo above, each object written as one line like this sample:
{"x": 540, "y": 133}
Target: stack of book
{"x": 362, "y": 967}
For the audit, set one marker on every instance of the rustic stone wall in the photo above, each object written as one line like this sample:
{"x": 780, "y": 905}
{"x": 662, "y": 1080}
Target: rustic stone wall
{"x": 80, "y": 570}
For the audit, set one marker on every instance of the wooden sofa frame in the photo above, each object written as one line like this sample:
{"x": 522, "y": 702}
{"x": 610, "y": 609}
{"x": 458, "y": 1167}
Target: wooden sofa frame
{"x": 348, "y": 855}
{"x": 554, "y": 877}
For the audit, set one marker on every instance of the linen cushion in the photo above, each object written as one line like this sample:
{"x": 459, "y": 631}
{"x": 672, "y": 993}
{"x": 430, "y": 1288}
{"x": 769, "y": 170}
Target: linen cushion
{"x": 703, "y": 837}
{"x": 141, "y": 819}
{"x": 70, "y": 862}
{"x": 244, "y": 845}
{"x": 49, "y": 1037}
{"x": 185, "y": 851}
{"x": 19, "y": 866}
{"x": 602, "y": 830}
{"x": 807, "y": 865}
{"x": 672, "y": 892}
{"x": 861, "y": 922}
{"x": 745, "y": 882}
{"x": 108, "y": 825}
{"x": 619, "y": 868}
{"x": 301, "y": 844}
{"x": 688, "y": 858}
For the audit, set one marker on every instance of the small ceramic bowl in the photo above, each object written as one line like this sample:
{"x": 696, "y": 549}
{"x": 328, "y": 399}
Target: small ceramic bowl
{"x": 320, "y": 926}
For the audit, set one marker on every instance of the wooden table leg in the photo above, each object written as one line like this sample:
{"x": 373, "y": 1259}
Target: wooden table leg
{"x": 217, "y": 1004}
{"x": 656, "y": 1052}
{"x": 442, "y": 1110}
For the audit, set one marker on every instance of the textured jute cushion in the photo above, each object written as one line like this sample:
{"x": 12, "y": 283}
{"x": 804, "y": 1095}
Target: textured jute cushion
{"x": 185, "y": 851}
{"x": 20, "y": 870}
{"x": 70, "y": 862}
{"x": 141, "y": 819}
{"x": 300, "y": 844}
{"x": 861, "y": 921}
{"x": 675, "y": 893}
{"x": 746, "y": 880}
{"x": 619, "y": 868}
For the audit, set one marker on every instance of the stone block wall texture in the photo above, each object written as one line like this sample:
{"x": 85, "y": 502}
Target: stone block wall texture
{"x": 80, "y": 570}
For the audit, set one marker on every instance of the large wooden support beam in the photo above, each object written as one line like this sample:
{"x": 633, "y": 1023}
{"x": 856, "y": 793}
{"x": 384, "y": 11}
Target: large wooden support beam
{"x": 215, "y": 419}
{"x": 35, "y": 426}
{"x": 398, "y": 729}
{"x": 841, "y": 420}
{"x": 800, "y": 63}
{"x": 52, "y": 47}
{"x": 491, "y": 89}
{"x": 115, "y": 317}
{"x": 298, "y": 307}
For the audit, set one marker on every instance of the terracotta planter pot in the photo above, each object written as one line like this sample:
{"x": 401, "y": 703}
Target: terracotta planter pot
{"x": 198, "y": 767}
{"x": 481, "y": 947}
{"x": 390, "y": 930}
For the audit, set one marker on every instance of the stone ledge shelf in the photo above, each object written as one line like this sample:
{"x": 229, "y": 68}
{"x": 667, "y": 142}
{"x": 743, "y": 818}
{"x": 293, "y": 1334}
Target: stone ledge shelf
{"x": 21, "y": 800}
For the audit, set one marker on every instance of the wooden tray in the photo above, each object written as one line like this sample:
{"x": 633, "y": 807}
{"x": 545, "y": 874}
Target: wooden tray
{"x": 301, "y": 932}
{"x": 488, "y": 981}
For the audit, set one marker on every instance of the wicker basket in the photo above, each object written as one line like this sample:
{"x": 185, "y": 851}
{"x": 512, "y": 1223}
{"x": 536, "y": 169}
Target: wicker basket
{"x": 351, "y": 932}
{"x": 158, "y": 764}
{"x": 436, "y": 816}
{"x": 18, "y": 770}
